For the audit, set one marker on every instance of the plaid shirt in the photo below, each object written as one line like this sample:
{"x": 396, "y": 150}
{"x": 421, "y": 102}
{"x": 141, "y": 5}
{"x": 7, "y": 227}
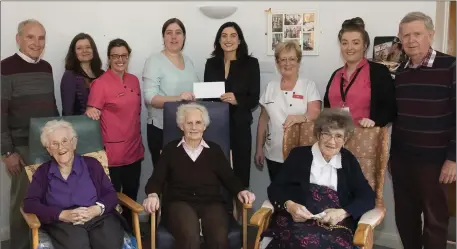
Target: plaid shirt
{"x": 426, "y": 62}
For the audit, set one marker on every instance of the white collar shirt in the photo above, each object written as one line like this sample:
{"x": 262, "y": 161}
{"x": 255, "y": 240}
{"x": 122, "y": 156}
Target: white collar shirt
{"x": 324, "y": 173}
{"x": 193, "y": 153}
{"x": 27, "y": 59}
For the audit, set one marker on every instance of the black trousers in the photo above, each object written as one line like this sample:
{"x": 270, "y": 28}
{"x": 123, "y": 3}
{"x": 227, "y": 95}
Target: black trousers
{"x": 273, "y": 168}
{"x": 155, "y": 142}
{"x": 417, "y": 191}
{"x": 182, "y": 220}
{"x": 240, "y": 144}
{"x": 126, "y": 179}
{"x": 103, "y": 232}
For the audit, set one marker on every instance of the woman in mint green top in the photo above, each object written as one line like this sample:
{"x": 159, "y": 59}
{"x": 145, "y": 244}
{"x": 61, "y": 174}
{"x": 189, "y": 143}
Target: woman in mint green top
{"x": 167, "y": 76}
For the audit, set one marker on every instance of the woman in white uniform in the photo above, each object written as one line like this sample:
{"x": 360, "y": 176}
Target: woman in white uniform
{"x": 284, "y": 103}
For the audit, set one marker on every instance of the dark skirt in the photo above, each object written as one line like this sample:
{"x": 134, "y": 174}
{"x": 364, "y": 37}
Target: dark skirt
{"x": 288, "y": 234}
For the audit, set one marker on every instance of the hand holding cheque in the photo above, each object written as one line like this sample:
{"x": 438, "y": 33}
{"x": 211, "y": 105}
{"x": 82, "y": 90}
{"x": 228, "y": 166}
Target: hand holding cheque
{"x": 208, "y": 90}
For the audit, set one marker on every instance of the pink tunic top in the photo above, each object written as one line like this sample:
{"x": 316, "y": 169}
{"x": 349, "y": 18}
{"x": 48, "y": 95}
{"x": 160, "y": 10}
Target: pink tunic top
{"x": 358, "y": 96}
{"x": 120, "y": 105}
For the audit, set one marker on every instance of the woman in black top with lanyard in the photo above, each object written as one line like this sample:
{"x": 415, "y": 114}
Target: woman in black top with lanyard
{"x": 230, "y": 62}
{"x": 364, "y": 88}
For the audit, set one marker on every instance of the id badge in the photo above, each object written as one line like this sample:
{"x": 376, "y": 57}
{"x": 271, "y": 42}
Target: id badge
{"x": 346, "y": 109}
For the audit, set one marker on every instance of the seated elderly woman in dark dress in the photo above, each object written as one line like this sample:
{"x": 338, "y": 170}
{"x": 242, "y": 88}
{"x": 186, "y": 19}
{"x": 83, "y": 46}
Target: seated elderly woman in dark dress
{"x": 321, "y": 191}
{"x": 194, "y": 170}
{"x": 72, "y": 196}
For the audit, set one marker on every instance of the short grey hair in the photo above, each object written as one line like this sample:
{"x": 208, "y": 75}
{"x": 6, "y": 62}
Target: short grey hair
{"x": 21, "y": 25}
{"x": 52, "y": 126}
{"x": 334, "y": 118}
{"x": 182, "y": 109}
{"x": 418, "y": 16}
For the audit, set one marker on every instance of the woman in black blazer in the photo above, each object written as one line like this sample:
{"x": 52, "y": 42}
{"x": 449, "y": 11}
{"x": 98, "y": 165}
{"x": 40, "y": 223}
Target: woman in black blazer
{"x": 367, "y": 87}
{"x": 230, "y": 62}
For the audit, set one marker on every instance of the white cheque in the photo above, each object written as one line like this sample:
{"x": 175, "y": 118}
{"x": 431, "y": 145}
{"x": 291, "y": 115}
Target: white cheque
{"x": 204, "y": 90}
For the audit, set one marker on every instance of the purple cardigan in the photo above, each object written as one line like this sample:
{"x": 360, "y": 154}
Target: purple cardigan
{"x": 74, "y": 94}
{"x": 35, "y": 203}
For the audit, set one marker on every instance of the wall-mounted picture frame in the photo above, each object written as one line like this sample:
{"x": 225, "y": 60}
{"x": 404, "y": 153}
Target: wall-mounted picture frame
{"x": 299, "y": 26}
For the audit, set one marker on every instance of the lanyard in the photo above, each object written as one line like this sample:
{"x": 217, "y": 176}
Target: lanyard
{"x": 345, "y": 92}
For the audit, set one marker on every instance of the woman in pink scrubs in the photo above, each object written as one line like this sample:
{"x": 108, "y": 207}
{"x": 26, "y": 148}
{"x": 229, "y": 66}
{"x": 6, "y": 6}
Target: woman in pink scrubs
{"x": 115, "y": 99}
{"x": 362, "y": 87}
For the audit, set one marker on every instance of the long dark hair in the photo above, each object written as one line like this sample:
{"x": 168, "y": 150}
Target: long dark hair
{"x": 241, "y": 51}
{"x": 72, "y": 62}
{"x": 355, "y": 24}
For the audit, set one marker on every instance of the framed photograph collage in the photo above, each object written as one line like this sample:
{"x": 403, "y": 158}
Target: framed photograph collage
{"x": 301, "y": 27}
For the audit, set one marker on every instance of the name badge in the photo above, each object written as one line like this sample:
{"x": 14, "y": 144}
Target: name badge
{"x": 297, "y": 96}
{"x": 346, "y": 109}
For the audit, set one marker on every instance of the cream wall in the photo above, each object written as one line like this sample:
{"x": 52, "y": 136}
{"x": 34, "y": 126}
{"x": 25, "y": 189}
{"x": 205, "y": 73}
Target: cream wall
{"x": 139, "y": 23}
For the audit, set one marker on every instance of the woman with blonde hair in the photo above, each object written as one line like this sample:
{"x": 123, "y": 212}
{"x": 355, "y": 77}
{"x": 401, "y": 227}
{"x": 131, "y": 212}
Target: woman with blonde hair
{"x": 285, "y": 102}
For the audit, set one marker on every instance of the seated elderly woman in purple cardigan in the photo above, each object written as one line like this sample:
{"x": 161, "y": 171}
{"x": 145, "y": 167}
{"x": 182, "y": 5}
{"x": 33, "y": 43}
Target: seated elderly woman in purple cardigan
{"x": 82, "y": 66}
{"x": 72, "y": 196}
{"x": 321, "y": 191}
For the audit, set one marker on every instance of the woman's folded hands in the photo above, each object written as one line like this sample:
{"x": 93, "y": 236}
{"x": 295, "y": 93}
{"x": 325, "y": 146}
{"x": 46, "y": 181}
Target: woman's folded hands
{"x": 81, "y": 215}
{"x": 330, "y": 216}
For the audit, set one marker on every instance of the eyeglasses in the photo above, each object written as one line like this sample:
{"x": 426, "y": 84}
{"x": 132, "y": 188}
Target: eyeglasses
{"x": 64, "y": 143}
{"x": 118, "y": 56}
{"x": 327, "y": 136}
{"x": 291, "y": 60}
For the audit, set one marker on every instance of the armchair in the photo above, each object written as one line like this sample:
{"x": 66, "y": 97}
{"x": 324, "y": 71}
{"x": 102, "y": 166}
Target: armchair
{"x": 370, "y": 147}
{"x": 89, "y": 144}
{"x": 218, "y": 132}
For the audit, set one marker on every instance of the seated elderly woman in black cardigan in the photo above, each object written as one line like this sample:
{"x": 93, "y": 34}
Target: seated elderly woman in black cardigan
{"x": 321, "y": 191}
{"x": 194, "y": 170}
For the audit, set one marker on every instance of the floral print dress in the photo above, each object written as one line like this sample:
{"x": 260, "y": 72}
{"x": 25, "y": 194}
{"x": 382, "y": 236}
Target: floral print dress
{"x": 287, "y": 234}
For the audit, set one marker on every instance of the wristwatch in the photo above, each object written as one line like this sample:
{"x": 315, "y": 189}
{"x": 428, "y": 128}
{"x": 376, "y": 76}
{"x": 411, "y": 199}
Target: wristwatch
{"x": 102, "y": 207}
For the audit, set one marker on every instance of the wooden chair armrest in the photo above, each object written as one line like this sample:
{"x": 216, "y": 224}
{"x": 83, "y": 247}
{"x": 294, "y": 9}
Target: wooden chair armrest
{"x": 247, "y": 206}
{"x": 31, "y": 219}
{"x": 373, "y": 217}
{"x": 363, "y": 236}
{"x": 131, "y": 204}
{"x": 260, "y": 216}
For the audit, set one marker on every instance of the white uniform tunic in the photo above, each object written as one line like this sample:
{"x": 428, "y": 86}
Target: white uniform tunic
{"x": 279, "y": 104}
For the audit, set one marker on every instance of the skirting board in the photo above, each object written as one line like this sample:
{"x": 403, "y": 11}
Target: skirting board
{"x": 4, "y": 233}
{"x": 391, "y": 240}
